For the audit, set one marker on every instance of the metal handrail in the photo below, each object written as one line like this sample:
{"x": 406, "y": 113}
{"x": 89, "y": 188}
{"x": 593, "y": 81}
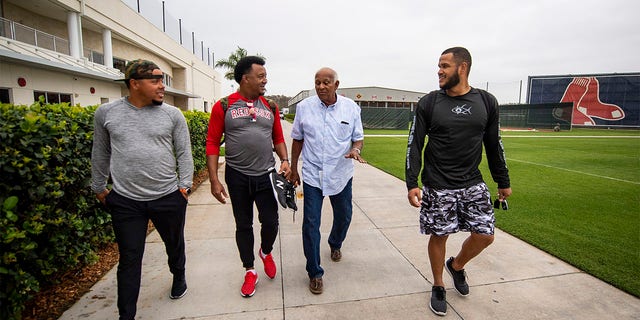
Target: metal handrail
{"x": 28, "y": 35}
{"x": 19, "y": 32}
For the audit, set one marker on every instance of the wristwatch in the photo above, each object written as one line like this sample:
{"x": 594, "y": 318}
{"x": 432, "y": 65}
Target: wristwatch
{"x": 186, "y": 191}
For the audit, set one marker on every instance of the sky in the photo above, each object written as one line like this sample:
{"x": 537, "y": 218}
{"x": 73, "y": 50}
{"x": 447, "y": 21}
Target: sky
{"x": 396, "y": 44}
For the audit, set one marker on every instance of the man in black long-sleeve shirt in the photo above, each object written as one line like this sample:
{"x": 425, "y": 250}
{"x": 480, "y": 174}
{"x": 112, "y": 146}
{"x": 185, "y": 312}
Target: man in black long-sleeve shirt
{"x": 458, "y": 119}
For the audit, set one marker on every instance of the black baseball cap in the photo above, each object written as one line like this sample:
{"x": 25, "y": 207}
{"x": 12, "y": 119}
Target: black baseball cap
{"x": 140, "y": 69}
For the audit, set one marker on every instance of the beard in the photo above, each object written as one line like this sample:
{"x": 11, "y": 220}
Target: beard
{"x": 156, "y": 102}
{"x": 451, "y": 81}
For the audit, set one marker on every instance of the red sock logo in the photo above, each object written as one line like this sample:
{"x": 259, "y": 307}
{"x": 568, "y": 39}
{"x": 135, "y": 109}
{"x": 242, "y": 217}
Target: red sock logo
{"x": 574, "y": 93}
{"x": 585, "y": 95}
{"x": 593, "y": 107}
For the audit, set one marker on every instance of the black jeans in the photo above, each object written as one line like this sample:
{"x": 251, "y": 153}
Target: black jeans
{"x": 130, "y": 219}
{"x": 244, "y": 190}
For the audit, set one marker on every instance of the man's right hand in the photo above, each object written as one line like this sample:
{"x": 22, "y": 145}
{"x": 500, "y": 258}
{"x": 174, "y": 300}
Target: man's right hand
{"x": 102, "y": 196}
{"x": 294, "y": 177}
{"x": 415, "y": 197}
{"x": 217, "y": 190}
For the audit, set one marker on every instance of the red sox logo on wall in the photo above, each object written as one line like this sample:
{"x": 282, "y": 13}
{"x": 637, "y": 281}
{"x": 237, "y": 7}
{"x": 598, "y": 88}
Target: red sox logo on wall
{"x": 584, "y": 92}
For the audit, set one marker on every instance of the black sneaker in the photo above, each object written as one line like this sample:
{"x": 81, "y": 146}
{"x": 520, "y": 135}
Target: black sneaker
{"x": 179, "y": 287}
{"x": 283, "y": 190}
{"x": 278, "y": 182}
{"x": 459, "y": 278}
{"x": 290, "y": 196}
{"x": 438, "y": 302}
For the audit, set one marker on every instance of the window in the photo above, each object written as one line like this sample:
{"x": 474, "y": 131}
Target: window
{"x": 398, "y": 104}
{"x": 166, "y": 79}
{"x": 97, "y": 57}
{"x": 5, "y": 97}
{"x": 119, "y": 64}
{"x": 52, "y": 97}
{"x": 93, "y": 56}
{"x": 374, "y": 104}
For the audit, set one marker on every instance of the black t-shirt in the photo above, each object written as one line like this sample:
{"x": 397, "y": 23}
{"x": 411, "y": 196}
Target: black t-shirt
{"x": 457, "y": 129}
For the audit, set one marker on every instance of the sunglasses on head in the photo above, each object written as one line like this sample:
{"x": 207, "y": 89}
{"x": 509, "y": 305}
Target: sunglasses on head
{"x": 497, "y": 202}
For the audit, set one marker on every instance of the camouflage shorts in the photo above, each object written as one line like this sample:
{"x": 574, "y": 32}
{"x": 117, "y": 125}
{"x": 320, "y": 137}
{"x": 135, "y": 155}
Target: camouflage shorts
{"x": 448, "y": 211}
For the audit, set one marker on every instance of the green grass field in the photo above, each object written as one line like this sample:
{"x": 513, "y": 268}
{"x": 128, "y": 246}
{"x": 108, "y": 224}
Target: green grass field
{"x": 575, "y": 197}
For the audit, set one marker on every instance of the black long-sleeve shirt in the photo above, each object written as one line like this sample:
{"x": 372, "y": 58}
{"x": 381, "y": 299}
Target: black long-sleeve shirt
{"x": 457, "y": 128}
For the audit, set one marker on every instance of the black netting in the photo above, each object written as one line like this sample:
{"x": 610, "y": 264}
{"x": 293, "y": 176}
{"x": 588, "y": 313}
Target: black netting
{"x": 386, "y": 118}
{"x": 536, "y": 116}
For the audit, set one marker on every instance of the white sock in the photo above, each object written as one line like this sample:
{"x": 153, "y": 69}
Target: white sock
{"x": 262, "y": 255}
{"x": 252, "y": 271}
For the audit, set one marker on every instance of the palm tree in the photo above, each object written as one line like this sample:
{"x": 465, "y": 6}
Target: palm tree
{"x": 231, "y": 62}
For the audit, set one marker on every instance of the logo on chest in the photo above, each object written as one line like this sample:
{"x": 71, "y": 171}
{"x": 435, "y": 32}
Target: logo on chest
{"x": 462, "y": 110}
{"x": 243, "y": 112}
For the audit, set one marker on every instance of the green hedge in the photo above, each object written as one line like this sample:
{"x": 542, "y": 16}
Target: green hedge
{"x": 290, "y": 116}
{"x": 50, "y": 221}
{"x": 198, "y": 122}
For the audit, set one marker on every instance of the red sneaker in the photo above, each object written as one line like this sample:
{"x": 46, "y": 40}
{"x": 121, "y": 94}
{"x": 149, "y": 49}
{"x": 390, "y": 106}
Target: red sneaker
{"x": 249, "y": 285}
{"x": 269, "y": 264}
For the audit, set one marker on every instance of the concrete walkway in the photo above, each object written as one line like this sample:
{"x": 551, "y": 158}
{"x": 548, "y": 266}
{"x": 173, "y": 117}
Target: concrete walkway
{"x": 384, "y": 272}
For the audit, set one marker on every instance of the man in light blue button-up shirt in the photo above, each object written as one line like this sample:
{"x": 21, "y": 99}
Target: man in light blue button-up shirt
{"x": 327, "y": 130}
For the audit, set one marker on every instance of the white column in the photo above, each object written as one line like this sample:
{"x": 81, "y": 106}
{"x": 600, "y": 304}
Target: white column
{"x": 73, "y": 28}
{"x": 106, "y": 46}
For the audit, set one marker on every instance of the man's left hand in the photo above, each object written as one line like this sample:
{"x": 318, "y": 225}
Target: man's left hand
{"x": 504, "y": 193}
{"x": 354, "y": 153}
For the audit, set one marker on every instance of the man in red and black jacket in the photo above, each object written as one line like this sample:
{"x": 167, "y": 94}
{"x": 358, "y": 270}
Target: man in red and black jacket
{"x": 252, "y": 131}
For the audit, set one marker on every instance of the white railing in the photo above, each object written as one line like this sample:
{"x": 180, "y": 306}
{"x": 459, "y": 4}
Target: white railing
{"x": 13, "y": 30}
{"x": 25, "y": 34}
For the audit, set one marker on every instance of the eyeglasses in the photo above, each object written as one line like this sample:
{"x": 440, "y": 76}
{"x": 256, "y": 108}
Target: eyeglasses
{"x": 497, "y": 202}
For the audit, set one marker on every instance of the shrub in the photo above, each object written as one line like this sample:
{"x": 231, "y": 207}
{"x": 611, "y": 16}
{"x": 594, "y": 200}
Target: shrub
{"x": 50, "y": 219}
{"x": 198, "y": 123}
{"x": 290, "y": 116}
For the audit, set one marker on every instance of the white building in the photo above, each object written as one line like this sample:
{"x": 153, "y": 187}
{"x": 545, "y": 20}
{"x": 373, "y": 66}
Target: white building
{"x": 374, "y": 97}
{"x": 381, "y": 108}
{"x": 72, "y": 50}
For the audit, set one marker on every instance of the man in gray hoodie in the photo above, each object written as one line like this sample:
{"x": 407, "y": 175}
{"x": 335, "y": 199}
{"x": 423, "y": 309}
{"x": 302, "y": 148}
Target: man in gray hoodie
{"x": 143, "y": 144}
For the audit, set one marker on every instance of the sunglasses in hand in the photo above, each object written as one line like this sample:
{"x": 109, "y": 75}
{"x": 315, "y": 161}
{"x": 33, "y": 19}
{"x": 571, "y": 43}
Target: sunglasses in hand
{"x": 497, "y": 202}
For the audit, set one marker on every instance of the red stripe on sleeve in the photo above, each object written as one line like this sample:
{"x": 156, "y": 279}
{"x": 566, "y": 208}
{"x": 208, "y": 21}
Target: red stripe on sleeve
{"x": 276, "y": 134}
{"x": 215, "y": 130}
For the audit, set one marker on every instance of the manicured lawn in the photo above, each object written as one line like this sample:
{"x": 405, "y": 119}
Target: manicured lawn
{"x": 574, "y": 197}
{"x": 385, "y": 132}
{"x": 573, "y": 132}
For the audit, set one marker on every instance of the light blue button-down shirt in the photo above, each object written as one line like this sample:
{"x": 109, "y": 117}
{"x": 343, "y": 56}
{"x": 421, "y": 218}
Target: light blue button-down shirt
{"x": 328, "y": 133}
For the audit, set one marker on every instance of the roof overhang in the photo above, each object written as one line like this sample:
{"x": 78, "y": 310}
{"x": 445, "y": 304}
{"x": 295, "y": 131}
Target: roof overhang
{"x": 11, "y": 51}
{"x": 40, "y": 63}
{"x": 180, "y": 93}
{"x": 88, "y": 71}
